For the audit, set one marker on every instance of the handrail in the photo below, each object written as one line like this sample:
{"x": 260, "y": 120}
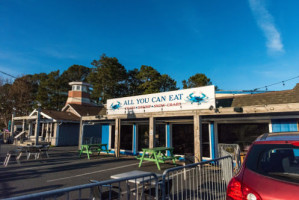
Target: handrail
{"x": 85, "y": 186}
{"x": 194, "y": 164}
{"x": 20, "y": 134}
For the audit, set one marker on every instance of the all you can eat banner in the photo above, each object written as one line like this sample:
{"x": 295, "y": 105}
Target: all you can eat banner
{"x": 188, "y": 99}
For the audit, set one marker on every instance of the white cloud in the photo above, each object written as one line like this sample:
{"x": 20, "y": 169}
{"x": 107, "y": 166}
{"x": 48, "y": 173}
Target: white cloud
{"x": 266, "y": 23}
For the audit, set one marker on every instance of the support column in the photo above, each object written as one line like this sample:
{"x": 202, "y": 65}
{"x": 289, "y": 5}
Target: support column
{"x": 51, "y": 132}
{"x": 23, "y": 125}
{"x": 117, "y": 137}
{"x": 212, "y": 140}
{"x": 216, "y": 139}
{"x": 43, "y": 130}
{"x": 30, "y": 129}
{"x": 80, "y": 134}
{"x": 168, "y": 136}
{"x": 151, "y": 132}
{"x": 197, "y": 138}
{"x": 56, "y": 133}
{"x": 47, "y": 133}
{"x": 12, "y": 125}
{"x": 135, "y": 147}
{"x": 37, "y": 126}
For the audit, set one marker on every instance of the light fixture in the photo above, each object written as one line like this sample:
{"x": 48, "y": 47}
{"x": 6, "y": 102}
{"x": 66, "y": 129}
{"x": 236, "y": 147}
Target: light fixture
{"x": 238, "y": 109}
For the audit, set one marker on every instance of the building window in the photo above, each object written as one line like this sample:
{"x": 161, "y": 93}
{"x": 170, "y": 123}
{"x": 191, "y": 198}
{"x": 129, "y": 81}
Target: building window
{"x": 205, "y": 141}
{"x": 183, "y": 138}
{"x": 242, "y": 134}
{"x": 78, "y": 87}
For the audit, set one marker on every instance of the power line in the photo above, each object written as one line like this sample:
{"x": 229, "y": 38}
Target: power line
{"x": 280, "y": 82}
{"x": 8, "y": 74}
{"x": 254, "y": 90}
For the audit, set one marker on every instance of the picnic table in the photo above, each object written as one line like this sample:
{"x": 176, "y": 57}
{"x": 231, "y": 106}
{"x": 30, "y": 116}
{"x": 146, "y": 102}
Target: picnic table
{"x": 157, "y": 155}
{"x": 93, "y": 148}
{"x": 29, "y": 150}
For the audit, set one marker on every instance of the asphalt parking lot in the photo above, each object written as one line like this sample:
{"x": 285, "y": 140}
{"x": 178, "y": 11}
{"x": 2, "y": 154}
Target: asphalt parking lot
{"x": 62, "y": 169}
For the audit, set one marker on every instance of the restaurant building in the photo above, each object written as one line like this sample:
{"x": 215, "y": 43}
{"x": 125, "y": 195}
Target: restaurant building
{"x": 192, "y": 121}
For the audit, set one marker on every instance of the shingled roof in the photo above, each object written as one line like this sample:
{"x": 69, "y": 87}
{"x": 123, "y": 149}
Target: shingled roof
{"x": 278, "y": 97}
{"x": 86, "y": 110}
{"x": 60, "y": 115}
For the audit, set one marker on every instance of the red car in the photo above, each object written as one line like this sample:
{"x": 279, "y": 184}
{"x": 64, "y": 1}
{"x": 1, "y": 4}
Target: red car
{"x": 270, "y": 170}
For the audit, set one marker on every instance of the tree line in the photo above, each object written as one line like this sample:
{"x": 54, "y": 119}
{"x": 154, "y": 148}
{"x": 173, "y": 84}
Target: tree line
{"x": 109, "y": 78}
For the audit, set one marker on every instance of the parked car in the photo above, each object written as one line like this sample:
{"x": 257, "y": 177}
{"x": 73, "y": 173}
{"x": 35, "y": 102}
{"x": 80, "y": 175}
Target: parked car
{"x": 270, "y": 170}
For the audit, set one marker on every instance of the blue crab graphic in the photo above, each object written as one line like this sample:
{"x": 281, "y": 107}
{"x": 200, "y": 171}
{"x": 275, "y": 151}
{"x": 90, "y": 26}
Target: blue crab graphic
{"x": 197, "y": 99}
{"x": 116, "y": 106}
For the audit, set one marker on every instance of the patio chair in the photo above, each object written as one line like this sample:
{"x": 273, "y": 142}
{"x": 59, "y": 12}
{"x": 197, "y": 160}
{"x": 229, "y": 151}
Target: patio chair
{"x": 14, "y": 153}
{"x": 151, "y": 194}
{"x": 189, "y": 158}
{"x": 103, "y": 192}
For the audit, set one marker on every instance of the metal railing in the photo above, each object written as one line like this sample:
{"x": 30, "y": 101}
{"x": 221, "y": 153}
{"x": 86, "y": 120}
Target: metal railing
{"x": 133, "y": 187}
{"x": 205, "y": 180}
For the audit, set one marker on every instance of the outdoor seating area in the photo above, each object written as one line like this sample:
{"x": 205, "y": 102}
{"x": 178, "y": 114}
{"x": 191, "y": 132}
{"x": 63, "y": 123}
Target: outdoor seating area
{"x": 35, "y": 151}
{"x": 90, "y": 149}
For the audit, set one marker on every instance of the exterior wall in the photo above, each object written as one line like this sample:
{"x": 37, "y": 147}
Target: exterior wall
{"x": 68, "y": 134}
{"x": 78, "y": 97}
{"x": 92, "y": 134}
{"x": 78, "y": 94}
{"x": 105, "y": 133}
{"x": 284, "y": 125}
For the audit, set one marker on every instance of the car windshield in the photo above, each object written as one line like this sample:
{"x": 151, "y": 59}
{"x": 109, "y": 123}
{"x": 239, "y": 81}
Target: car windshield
{"x": 277, "y": 161}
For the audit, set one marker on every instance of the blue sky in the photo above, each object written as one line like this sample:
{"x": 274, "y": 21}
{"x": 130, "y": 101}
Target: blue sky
{"x": 238, "y": 44}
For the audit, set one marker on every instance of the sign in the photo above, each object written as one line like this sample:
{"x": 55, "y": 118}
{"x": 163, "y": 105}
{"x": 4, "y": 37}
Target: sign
{"x": 188, "y": 99}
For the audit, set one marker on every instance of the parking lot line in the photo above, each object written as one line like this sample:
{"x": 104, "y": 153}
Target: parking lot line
{"x": 84, "y": 174}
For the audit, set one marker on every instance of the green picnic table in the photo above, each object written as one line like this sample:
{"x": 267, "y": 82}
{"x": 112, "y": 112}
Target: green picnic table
{"x": 93, "y": 148}
{"x": 157, "y": 155}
